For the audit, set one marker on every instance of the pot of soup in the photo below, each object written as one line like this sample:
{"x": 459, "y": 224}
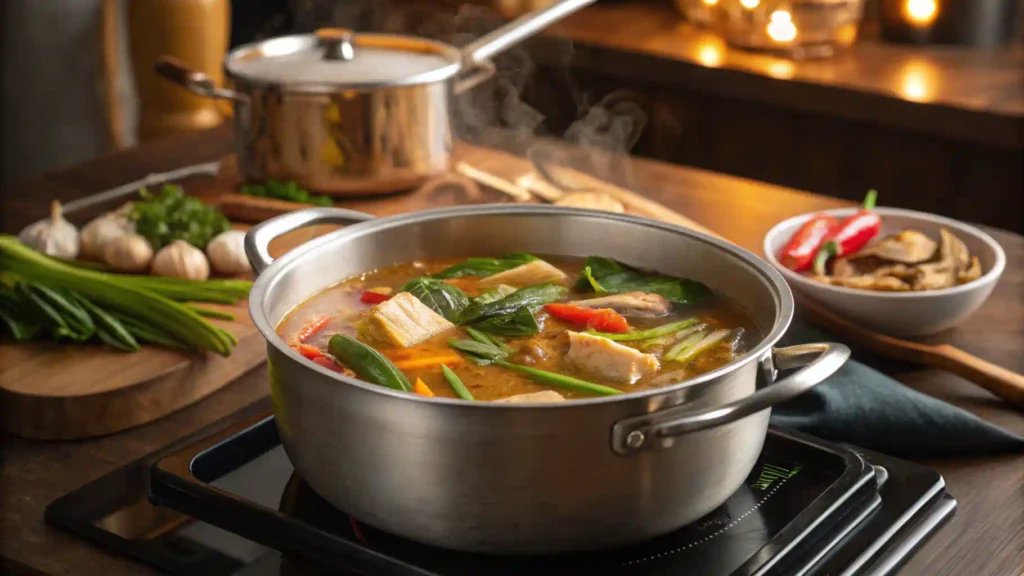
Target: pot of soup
{"x": 349, "y": 113}
{"x": 523, "y": 379}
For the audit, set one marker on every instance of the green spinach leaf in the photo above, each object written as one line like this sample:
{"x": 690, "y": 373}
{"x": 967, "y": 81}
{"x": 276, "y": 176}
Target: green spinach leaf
{"x": 532, "y": 297}
{"x": 519, "y": 323}
{"x": 486, "y": 266}
{"x": 494, "y": 294}
{"x": 606, "y": 275}
{"x": 445, "y": 299}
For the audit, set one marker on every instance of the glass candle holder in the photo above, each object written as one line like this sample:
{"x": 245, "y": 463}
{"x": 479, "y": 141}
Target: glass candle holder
{"x": 797, "y": 28}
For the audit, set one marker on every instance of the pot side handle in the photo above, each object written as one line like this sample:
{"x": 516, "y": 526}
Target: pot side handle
{"x": 194, "y": 81}
{"x": 257, "y": 240}
{"x": 816, "y": 362}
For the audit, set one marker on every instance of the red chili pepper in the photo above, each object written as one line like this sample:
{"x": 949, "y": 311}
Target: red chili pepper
{"x": 312, "y": 328}
{"x": 329, "y": 363}
{"x": 307, "y": 351}
{"x": 371, "y": 297}
{"x": 852, "y": 235}
{"x": 799, "y": 252}
{"x": 601, "y": 319}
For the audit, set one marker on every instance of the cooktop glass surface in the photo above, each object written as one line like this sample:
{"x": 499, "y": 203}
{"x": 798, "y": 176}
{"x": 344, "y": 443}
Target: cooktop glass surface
{"x": 233, "y": 504}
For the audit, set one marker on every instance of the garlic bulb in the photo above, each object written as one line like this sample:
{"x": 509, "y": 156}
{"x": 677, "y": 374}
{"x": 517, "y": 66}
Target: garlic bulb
{"x": 101, "y": 231}
{"x": 227, "y": 253}
{"x": 54, "y": 236}
{"x": 128, "y": 253}
{"x": 180, "y": 259}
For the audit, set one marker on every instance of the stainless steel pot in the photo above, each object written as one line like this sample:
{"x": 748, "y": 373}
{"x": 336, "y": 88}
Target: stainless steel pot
{"x": 511, "y": 478}
{"x": 348, "y": 114}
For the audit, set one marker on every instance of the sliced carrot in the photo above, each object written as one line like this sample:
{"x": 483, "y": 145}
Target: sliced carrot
{"x": 311, "y": 352}
{"x": 421, "y": 388}
{"x": 311, "y": 328}
{"x": 414, "y": 363}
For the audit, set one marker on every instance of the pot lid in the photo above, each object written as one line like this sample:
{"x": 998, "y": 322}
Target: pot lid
{"x": 334, "y": 58}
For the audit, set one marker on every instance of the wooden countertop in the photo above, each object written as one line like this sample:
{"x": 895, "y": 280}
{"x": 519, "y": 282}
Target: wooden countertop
{"x": 986, "y": 537}
{"x": 966, "y": 93}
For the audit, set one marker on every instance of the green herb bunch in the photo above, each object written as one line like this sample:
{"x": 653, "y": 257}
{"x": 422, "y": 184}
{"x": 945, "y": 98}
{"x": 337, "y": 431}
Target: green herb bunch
{"x": 44, "y": 297}
{"x": 171, "y": 215}
{"x": 289, "y": 191}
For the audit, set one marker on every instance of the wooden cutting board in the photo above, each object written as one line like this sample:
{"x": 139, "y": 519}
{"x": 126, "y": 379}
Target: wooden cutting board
{"x": 54, "y": 391}
{"x": 59, "y": 391}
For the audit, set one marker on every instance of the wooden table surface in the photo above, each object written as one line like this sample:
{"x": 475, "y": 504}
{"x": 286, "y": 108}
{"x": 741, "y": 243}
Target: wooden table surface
{"x": 986, "y": 537}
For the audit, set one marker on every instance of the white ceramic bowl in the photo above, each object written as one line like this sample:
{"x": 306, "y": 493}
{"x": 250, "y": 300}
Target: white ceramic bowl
{"x": 899, "y": 313}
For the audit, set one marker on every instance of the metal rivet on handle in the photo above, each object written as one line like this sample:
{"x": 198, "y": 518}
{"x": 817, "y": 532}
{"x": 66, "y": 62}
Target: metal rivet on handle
{"x": 635, "y": 439}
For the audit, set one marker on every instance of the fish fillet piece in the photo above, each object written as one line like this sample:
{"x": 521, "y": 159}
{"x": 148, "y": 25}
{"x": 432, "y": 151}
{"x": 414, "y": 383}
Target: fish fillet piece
{"x": 529, "y": 274}
{"x": 610, "y": 360}
{"x": 533, "y": 397}
{"x": 630, "y": 303}
{"x": 402, "y": 321}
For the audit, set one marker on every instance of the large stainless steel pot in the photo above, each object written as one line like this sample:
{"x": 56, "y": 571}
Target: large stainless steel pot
{"x": 531, "y": 478}
{"x": 347, "y": 114}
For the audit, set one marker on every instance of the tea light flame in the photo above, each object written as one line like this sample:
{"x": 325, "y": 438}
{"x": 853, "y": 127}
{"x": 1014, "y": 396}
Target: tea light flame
{"x": 781, "y": 27}
{"x": 920, "y": 12}
{"x": 750, "y": 4}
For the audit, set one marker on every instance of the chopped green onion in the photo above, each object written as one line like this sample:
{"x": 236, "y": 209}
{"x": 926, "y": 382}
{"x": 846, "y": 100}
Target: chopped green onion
{"x": 457, "y": 384}
{"x": 559, "y": 380}
{"x": 681, "y": 347}
{"x": 645, "y": 334}
{"x": 700, "y": 347}
{"x": 487, "y": 339}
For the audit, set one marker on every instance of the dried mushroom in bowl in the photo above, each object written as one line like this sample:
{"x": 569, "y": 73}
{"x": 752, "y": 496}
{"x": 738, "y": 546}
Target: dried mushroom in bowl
{"x": 908, "y": 261}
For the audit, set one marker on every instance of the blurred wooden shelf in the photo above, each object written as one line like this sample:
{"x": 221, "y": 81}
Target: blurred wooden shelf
{"x": 959, "y": 92}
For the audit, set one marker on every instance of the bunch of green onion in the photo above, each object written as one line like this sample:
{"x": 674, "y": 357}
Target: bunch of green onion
{"x": 150, "y": 303}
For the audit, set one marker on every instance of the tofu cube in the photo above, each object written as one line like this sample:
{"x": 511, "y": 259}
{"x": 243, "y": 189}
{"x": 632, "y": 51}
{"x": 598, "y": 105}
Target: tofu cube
{"x": 533, "y": 397}
{"x": 610, "y": 360}
{"x": 402, "y": 321}
{"x": 529, "y": 274}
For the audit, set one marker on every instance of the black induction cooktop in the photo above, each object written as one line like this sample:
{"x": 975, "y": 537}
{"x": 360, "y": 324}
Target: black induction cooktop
{"x": 231, "y": 503}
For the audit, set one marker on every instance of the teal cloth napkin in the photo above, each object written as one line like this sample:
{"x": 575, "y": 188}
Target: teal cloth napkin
{"x": 861, "y": 406}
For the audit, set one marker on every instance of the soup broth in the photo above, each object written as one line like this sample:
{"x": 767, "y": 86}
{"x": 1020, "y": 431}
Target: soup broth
{"x": 346, "y": 307}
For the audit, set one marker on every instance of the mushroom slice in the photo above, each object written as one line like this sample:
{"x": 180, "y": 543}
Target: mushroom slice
{"x": 935, "y": 276}
{"x": 973, "y": 272}
{"x": 845, "y": 268}
{"x": 880, "y": 284}
{"x": 901, "y": 271}
{"x": 952, "y": 248}
{"x": 907, "y": 247}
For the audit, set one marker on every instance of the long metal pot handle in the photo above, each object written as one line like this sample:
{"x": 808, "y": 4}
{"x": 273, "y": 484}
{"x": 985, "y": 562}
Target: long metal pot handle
{"x": 477, "y": 54}
{"x": 818, "y": 362}
{"x": 195, "y": 81}
{"x": 257, "y": 240}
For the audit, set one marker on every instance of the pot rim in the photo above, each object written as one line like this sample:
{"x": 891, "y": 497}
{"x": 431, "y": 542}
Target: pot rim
{"x": 395, "y": 41}
{"x": 264, "y": 285}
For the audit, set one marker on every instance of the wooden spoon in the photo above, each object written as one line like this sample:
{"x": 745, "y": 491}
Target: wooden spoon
{"x": 1000, "y": 381}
